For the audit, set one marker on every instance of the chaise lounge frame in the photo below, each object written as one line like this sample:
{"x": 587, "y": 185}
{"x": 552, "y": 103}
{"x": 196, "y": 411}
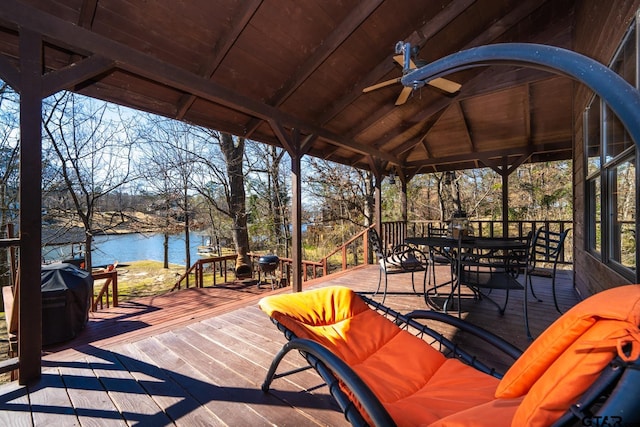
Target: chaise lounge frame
{"x": 613, "y": 395}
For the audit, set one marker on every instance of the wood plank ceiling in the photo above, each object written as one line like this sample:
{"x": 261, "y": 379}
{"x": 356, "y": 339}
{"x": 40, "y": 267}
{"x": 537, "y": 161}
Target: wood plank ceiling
{"x": 291, "y": 73}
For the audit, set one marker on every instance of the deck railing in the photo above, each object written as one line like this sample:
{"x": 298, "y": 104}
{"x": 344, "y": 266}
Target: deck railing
{"x": 214, "y": 270}
{"x": 218, "y": 270}
{"x": 108, "y": 293}
{"x": 355, "y": 252}
{"x": 393, "y": 232}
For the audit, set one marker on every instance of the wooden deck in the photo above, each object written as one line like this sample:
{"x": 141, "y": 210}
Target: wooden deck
{"x": 197, "y": 357}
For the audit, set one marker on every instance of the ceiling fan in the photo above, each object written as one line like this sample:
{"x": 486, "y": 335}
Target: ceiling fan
{"x": 440, "y": 83}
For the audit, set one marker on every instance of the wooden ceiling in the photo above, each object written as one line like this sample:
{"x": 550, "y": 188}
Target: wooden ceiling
{"x": 291, "y": 73}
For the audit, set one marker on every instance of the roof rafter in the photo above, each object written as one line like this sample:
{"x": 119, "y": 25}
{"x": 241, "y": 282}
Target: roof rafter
{"x": 357, "y": 16}
{"x": 219, "y": 51}
{"x": 490, "y": 34}
{"x": 417, "y": 38}
{"x": 58, "y": 31}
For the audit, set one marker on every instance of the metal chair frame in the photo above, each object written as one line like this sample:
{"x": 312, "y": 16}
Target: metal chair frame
{"x": 546, "y": 247}
{"x": 399, "y": 259}
{"x": 613, "y": 394}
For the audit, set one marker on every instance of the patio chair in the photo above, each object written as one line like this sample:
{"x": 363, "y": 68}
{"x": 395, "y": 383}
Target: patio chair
{"x": 492, "y": 267}
{"x": 439, "y": 258}
{"x": 384, "y": 368}
{"x": 546, "y": 248}
{"x": 400, "y": 259}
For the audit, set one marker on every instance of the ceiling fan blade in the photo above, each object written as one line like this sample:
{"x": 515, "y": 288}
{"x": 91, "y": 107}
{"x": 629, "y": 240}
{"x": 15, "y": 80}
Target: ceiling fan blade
{"x": 440, "y": 83}
{"x": 381, "y": 85}
{"x": 445, "y": 85}
{"x": 404, "y": 95}
{"x": 400, "y": 60}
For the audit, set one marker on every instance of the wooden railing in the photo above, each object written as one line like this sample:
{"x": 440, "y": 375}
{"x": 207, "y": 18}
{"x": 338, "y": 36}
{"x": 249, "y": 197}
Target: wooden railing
{"x": 355, "y": 251}
{"x": 111, "y": 281}
{"x": 486, "y": 228}
{"x": 214, "y": 270}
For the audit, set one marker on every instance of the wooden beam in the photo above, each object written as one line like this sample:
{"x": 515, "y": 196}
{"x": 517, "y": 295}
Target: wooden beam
{"x": 355, "y": 18}
{"x": 30, "y": 193}
{"x": 131, "y": 60}
{"x": 87, "y": 13}
{"x": 220, "y": 50}
{"x": 286, "y": 140}
{"x": 560, "y": 145}
{"x": 74, "y": 74}
{"x": 463, "y": 119}
{"x": 9, "y": 73}
{"x": 296, "y": 222}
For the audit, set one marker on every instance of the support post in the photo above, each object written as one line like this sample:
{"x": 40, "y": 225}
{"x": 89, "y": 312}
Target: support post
{"x": 296, "y": 221}
{"x": 30, "y": 296}
{"x": 505, "y": 197}
{"x": 378, "y": 204}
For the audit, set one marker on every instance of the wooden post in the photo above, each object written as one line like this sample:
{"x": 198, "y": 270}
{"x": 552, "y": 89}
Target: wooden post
{"x": 30, "y": 295}
{"x": 505, "y": 201}
{"x": 296, "y": 221}
{"x": 378, "y": 204}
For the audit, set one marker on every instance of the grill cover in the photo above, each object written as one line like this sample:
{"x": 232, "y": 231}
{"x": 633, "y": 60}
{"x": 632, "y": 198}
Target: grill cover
{"x": 66, "y": 299}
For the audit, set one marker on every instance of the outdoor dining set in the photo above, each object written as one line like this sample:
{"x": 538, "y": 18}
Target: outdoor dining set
{"x": 479, "y": 264}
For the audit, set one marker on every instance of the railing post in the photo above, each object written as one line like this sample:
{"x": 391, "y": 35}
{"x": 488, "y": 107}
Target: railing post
{"x": 344, "y": 258}
{"x": 365, "y": 246}
{"x": 114, "y": 287}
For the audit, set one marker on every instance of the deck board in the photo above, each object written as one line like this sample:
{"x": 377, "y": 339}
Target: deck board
{"x": 197, "y": 357}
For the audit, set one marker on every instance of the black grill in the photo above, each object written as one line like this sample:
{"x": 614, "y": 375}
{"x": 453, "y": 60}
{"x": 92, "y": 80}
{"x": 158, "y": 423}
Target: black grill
{"x": 268, "y": 263}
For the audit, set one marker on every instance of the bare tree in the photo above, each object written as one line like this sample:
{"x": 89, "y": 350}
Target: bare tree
{"x": 9, "y": 172}
{"x": 168, "y": 165}
{"x": 269, "y": 193}
{"x": 223, "y": 183}
{"x": 90, "y": 145}
{"x": 344, "y": 197}
{"x": 9, "y": 153}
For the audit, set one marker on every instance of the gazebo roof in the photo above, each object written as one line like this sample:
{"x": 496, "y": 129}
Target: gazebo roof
{"x": 292, "y": 73}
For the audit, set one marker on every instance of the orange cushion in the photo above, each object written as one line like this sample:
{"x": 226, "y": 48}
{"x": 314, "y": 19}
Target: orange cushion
{"x": 621, "y": 303}
{"x": 496, "y": 413}
{"x": 453, "y": 388}
{"x": 571, "y": 374}
{"x": 318, "y": 307}
{"x": 369, "y": 343}
{"x": 414, "y": 382}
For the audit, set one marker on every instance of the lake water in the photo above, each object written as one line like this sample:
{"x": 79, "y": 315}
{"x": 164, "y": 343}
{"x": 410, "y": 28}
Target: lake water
{"x": 133, "y": 247}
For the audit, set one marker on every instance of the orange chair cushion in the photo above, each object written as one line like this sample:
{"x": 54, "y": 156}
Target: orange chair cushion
{"x": 621, "y": 303}
{"x": 415, "y": 382}
{"x": 497, "y": 413}
{"x": 570, "y": 375}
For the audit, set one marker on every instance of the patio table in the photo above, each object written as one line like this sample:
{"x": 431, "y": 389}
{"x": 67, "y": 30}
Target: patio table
{"x": 471, "y": 251}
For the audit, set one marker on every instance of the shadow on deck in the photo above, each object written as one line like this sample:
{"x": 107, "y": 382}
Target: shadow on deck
{"x": 198, "y": 356}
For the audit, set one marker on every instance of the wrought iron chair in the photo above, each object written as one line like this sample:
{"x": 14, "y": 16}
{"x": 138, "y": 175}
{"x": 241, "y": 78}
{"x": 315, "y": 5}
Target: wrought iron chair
{"x": 384, "y": 368}
{"x": 496, "y": 267}
{"x": 546, "y": 248}
{"x": 436, "y": 257}
{"x": 399, "y": 259}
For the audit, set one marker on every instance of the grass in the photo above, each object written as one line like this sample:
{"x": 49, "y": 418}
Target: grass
{"x": 144, "y": 278}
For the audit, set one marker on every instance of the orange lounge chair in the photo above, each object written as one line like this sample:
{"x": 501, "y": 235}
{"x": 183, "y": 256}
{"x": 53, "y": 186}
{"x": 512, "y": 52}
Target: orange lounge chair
{"x": 583, "y": 367}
